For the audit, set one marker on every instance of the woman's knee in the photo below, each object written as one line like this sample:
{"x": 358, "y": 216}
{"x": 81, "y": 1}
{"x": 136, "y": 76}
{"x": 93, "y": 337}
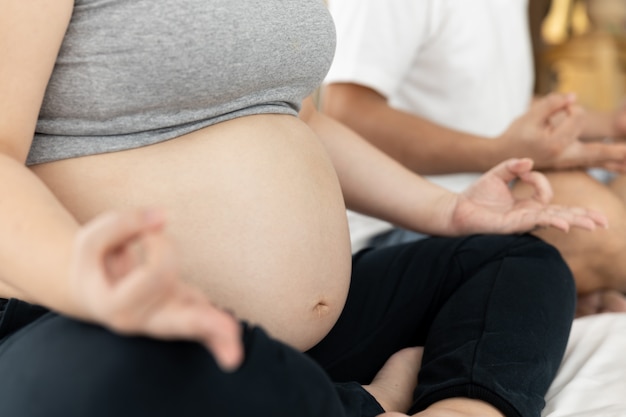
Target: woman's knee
{"x": 526, "y": 267}
{"x": 543, "y": 265}
{"x": 75, "y": 369}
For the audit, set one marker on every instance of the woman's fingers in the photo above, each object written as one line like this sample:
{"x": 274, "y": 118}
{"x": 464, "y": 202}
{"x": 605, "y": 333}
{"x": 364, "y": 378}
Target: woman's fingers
{"x": 533, "y": 219}
{"x": 542, "y": 189}
{"x": 114, "y": 229}
{"x": 126, "y": 277}
{"x": 511, "y": 169}
{"x": 579, "y": 217}
{"x": 221, "y": 334}
{"x": 562, "y": 218}
{"x": 152, "y": 300}
{"x": 190, "y": 316}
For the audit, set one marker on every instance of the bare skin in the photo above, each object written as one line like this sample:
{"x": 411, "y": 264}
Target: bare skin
{"x": 394, "y": 384}
{"x": 456, "y": 407}
{"x": 600, "y": 282}
{"x": 255, "y": 209}
{"x": 603, "y": 301}
{"x": 618, "y": 185}
{"x": 549, "y": 134}
{"x": 254, "y": 268}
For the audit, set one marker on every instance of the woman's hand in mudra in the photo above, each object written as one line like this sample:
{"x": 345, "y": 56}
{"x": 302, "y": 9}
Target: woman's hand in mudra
{"x": 489, "y": 206}
{"x": 125, "y": 276}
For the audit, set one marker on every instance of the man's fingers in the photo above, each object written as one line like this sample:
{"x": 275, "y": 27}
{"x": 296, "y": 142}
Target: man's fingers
{"x": 569, "y": 127}
{"x": 619, "y": 167}
{"x": 603, "y": 154}
{"x": 551, "y": 104}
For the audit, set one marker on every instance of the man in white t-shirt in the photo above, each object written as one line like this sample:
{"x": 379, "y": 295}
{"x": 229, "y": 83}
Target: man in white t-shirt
{"x": 445, "y": 87}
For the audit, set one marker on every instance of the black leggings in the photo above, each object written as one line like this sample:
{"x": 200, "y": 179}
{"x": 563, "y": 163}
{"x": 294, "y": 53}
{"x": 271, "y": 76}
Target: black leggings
{"x": 493, "y": 313}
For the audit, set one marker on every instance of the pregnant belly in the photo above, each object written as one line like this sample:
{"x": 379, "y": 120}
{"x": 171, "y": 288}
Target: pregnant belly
{"x": 255, "y": 210}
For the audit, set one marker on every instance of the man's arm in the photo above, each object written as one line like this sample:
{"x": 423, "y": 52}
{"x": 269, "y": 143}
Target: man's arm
{"x": 375, "y": 184}
{"x": 417, "y": 143}
{"x": 601, "y": 125}
{"x": 428, "y": 148}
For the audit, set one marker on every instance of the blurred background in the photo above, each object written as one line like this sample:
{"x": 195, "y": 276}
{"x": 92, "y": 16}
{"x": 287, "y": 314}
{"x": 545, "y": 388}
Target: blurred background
{"x": 580, "y": 46}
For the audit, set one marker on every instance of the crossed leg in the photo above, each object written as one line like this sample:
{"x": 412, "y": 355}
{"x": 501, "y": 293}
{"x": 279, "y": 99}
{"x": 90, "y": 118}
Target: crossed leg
{"x": 597, "y": 259}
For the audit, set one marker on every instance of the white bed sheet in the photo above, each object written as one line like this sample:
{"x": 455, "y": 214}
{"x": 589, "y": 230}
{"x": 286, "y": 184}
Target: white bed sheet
{"x": 592, "y": 379}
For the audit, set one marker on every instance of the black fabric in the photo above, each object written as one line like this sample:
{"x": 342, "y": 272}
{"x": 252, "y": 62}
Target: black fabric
{"x": 493, "y": 312}
{"x": 61, "y": 367}
{"x": 15, "y": 314}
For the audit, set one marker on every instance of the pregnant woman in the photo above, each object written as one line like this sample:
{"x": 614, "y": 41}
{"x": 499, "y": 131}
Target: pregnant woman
{"x": 173, "y": 237}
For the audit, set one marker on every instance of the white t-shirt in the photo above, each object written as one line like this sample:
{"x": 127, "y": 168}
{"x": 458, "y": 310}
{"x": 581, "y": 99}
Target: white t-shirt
{"x": 464, "y": 64}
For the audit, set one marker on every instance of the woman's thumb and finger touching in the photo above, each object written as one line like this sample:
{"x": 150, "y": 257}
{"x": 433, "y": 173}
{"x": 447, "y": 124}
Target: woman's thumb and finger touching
{"x": 131, "y": 283}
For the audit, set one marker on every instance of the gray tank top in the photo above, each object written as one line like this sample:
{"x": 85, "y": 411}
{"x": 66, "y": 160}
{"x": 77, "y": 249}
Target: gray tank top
{"x": 136, "y": 72}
